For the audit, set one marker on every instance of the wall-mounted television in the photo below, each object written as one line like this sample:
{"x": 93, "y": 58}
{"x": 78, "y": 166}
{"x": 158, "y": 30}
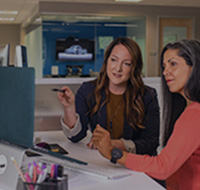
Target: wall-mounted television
{"x": 75, "y": 49}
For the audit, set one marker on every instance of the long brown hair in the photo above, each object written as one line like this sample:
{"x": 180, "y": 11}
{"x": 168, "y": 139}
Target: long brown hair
{"x": 135, "y": 88}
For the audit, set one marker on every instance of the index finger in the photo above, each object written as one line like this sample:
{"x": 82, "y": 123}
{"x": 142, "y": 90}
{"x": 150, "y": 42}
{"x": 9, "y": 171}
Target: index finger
{"x": 99, "y": 128}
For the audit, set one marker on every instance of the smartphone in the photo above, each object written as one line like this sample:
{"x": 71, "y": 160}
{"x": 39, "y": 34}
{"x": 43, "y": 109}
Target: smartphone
{"x": 57, "y": 148}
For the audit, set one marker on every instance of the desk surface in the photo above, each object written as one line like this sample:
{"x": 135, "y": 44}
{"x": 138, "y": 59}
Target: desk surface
{"x": 79, "y": 181}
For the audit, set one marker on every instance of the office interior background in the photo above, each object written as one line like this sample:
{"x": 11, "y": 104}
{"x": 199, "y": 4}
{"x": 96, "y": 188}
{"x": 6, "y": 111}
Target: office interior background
{"x": 39, "y": 25}
{"x": 43, "y": 26}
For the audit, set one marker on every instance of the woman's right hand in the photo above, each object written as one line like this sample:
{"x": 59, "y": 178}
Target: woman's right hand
{"x": 67, "y": 98}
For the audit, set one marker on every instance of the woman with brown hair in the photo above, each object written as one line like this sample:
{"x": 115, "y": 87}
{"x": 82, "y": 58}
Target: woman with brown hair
{"x": 117, "y": 100}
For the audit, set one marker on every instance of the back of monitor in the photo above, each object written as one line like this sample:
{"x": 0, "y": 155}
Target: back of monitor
{"x": 17, "y": 100}
{"x": 16, "y": 121}
{"x": 21, "y": 56}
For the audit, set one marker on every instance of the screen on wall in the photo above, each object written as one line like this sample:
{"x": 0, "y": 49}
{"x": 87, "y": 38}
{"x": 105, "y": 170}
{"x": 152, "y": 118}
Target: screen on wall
{"x": 74, "y": 49}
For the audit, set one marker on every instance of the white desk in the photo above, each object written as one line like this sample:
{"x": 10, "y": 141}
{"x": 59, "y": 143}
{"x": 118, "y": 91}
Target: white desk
{"x": 78, "y": 181}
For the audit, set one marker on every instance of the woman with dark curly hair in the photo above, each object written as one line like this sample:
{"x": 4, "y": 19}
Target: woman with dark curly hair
{"x": 179, "y": 161}
{"x": 117, "y": 100}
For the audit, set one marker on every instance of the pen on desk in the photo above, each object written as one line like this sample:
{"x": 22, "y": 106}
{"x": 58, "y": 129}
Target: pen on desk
{"x": 58, "y": 90}
{"x": 28, "y": 179}
{"x": 34, "y": 174}
{"x": 52, "y": 170}
{"x": 18, "y": 169}
{"x": 40, "y": 177}
{"x": 30, "y": 168}
{"x": 38, "y": 168}
{"x": 45, "y": 171}
{"x": 39, "y": 180}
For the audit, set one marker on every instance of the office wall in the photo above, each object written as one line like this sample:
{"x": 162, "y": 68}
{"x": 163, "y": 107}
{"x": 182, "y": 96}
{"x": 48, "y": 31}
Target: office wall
{"x": 10, "y": 33}
{"x": 79, "y": 30}
{"x": 33, "y": 41}
{"x": 152, "y": 14}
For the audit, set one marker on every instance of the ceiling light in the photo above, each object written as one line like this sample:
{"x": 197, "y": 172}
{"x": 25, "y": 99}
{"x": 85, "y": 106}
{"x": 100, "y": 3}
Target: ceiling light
{"x": 6, "y": 19}
{"x": 93, "y": 17}
{"x": 121, "y": 25}
{"x": 38, "y": 20}
{"x": 9, "y": 12}
{"x": 135, "y": 1}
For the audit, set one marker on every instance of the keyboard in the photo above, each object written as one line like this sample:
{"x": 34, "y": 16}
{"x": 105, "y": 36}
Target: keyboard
{"x": 90, "y": 169}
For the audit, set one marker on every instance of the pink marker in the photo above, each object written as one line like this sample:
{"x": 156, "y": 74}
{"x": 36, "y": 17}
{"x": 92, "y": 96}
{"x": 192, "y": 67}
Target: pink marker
{"x": 28, "y": 179}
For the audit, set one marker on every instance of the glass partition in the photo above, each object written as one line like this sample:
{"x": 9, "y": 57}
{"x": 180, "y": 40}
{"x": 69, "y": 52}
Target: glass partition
{"x": 73, "y": 46}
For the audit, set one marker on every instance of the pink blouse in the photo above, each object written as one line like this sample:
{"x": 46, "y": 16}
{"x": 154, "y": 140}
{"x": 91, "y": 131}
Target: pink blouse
{"x": 179, "y": 161}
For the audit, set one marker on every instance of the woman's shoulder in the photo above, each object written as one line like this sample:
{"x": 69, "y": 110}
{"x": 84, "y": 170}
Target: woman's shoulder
{"x": 190, "y": 116}
{"x": 194, "y": 106}
{"x": 88, "y": 86}
{"x": 149, "y": 91}
{"x": 150, "y": 96}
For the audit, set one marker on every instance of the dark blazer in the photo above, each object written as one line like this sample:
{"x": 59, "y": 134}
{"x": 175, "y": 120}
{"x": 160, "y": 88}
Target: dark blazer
{"x": 146, "y": 140}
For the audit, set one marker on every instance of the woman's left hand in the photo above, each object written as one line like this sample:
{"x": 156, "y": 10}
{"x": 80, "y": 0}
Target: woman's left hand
{"x": 101, "y": 140}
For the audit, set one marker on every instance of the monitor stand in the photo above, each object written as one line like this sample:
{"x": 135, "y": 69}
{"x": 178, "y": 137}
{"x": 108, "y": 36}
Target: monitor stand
{"x": 8, "y": 173}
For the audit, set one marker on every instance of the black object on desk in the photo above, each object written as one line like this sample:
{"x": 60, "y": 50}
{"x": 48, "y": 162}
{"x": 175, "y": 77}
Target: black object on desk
{"x": 58, "y": 155}
{"x": 49, "y": 184}
{"x": 52, "y": 147}
{"x": 57, "y": 148}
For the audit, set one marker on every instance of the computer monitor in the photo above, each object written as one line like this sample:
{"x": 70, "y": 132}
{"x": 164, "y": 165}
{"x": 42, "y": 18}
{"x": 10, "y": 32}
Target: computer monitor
{"x": 4, "y": 55}
{"x": 21, "y": 56}
{"x": 17, "y": 114}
